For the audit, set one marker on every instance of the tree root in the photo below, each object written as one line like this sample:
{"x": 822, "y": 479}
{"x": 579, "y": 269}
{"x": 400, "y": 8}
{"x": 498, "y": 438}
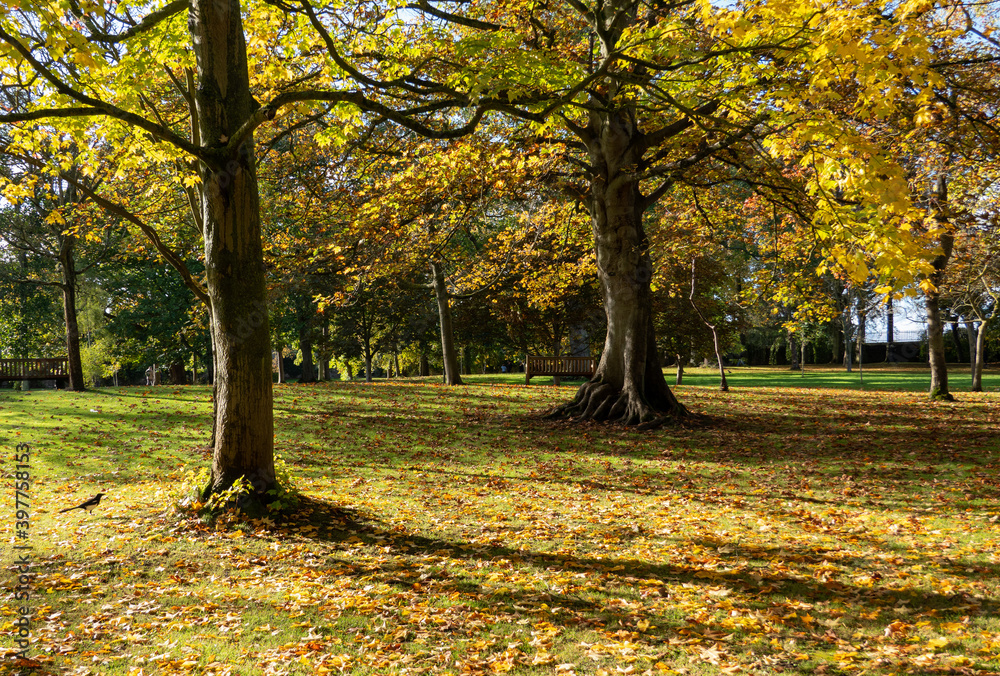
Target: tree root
{"x": 603, "y": 402}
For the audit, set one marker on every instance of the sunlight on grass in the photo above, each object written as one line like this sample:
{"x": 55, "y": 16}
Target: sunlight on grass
{"x": 448, "y": 530}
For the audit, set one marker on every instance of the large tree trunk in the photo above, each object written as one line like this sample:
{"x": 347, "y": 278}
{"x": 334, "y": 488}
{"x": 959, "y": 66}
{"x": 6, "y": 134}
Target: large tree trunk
{"x": 935, "y": 325}
{"x": 178, "y": 374}
{"x": 451, "y": 376}
{"x": 628, "y": 385}
{"x": 68, "y": 285}
{"x": 234, "y": 262}
{"x": 425, "y": 367}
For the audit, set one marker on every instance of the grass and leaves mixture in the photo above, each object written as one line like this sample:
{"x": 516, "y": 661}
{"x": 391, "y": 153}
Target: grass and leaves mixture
{"x": 449, "y": 531}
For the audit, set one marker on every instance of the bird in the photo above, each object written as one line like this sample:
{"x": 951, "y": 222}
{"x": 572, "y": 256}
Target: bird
{"x": 88, "y": 505}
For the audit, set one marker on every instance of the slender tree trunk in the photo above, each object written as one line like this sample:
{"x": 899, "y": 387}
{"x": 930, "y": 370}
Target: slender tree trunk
{"x": 860, "y": 339}
{"x": 956, "y": 340}
{"x": 305, "y": 345}
{"x": 68, "y": 272}
{"x": 935, "y": 325}
{"x": 972, "y": 336}
{"x": 234, "y": 262}
{"x": 350, "y": 371}
{"x": 980, "y": 358}
{"x": 556, "y": 352}
{"x": 467, "y": 360}
{"x": 425, "y": 367}
{"x": 680, "y": 371}
{"x": 793, "y": 353}
{"x": 451, "y": 376}
{"x": 281, "y": 365}
{"x": 890, "y": 352}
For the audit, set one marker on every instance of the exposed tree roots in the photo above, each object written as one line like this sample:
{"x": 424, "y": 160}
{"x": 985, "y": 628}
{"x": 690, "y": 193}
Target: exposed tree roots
{"x": 600, "y": 401}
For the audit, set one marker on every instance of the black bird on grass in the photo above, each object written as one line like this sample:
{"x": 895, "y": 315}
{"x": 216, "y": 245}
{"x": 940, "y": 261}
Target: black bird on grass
{"x": 88, "y": 505}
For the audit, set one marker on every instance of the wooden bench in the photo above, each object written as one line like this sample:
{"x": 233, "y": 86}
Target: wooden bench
{"x": 35, "y": 369}
{"x": 558, "y": 366}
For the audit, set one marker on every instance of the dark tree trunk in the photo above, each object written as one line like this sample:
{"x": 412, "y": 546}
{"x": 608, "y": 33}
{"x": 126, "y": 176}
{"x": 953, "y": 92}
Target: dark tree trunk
{"x": 68, "y": 272}
{"x": 305, "y": 345}
{"x": 425, "y": 367}
{"x": 935, "y": 325}
{"x": 234, "y": 262}
{"x": 451, "y": 376}
{"x": 467, "y": 360}
{"x": 793, "y": 353}
{"x": 959, "y": 349}
{"x": 178, "y": 374}
{"x": 837, "y": 344}
{"x": 890, "y": 338}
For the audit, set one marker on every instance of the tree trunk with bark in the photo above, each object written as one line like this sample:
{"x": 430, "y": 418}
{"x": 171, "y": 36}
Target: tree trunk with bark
{"x": 305, "y": 345}
{"x": 234, "y": 262}
{"x": 793, "y": 353}
{"x": 959, "y": 349}
{"x": 680, "y": 371}
{"x": 628, "y": 385}
{"x": 466, "y": 360}
{"x": 935, "y": 325}
{"x": 425, "y": 366}
{"x": 68, "y": 285}
{"x": 972, "y": 337}
{"x": 980, "y": 358}
{"x": 178, "y": 374}
{"x": 280, "y": 364}
{"x": 890, "y": 338}
{"x": 451, "y": 375}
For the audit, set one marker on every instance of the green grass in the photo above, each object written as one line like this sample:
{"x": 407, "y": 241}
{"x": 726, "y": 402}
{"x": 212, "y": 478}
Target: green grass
{"x": 888, "y": 377}
{"x": 451, "y": 530}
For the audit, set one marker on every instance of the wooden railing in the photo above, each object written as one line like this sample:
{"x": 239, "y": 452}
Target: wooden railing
{"x": 558, "y": 366}
{"x": 34, "y": 369}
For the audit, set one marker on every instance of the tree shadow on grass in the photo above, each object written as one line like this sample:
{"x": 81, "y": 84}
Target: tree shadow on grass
{"x": 766, "y": 583}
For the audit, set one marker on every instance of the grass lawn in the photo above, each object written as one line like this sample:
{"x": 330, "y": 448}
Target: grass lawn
{"x": 800, "y": 530}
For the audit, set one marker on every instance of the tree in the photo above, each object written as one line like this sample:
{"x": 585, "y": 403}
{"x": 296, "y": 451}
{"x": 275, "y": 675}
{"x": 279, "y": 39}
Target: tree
{"x": 46, "y": 222}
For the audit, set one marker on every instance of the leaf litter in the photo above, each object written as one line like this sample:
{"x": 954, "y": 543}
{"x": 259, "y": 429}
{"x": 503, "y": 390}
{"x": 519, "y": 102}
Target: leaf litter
{"x": 450, "y": 531}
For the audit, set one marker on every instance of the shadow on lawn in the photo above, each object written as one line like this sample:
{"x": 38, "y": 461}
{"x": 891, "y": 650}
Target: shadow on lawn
{"x": 767, "y": 584}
